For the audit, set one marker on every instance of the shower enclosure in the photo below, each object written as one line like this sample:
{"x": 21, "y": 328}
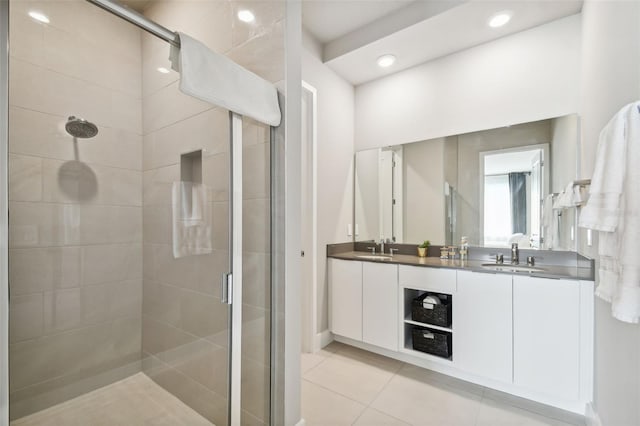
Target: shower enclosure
{"x": 108, "y": 322}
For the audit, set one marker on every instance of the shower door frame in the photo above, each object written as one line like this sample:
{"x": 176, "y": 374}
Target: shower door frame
{"x": 4, "y": 213}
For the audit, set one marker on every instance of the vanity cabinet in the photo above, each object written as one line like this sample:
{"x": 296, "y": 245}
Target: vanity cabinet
{"x": 364, "y": 302}
{"x": 482, "y": 319}
{"x": 546, "y": 330}
{"x": 528, "y": 336}
{"x": 345, "y": 298}
{"x": 380, "y": 305}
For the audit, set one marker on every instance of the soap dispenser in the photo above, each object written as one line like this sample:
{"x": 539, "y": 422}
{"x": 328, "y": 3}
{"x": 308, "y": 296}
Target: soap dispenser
{"x": 464, "y": 248}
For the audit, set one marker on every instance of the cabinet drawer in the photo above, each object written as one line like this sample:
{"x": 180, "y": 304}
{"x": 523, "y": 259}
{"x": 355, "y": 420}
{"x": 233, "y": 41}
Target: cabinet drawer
{"x": 433, "y": 279}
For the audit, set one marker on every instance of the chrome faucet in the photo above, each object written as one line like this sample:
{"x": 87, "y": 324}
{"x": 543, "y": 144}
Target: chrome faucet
{"x": 515, "y": 254}
{"x": 382, "y": 245}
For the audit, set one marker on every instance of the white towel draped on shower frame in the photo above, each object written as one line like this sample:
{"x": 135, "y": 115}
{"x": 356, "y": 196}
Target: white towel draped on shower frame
{"x": 216, "y": 79}
{"x": 613, "y": 209}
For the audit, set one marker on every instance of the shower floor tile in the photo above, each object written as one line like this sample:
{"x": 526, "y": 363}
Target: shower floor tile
{"x": 136, "y": 400}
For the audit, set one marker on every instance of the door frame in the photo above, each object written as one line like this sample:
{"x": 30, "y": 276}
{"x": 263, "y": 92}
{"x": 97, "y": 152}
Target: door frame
{"x": 310, "y": 341}
{"x": 4, "y": 213}
{"x": 234, "y": 290}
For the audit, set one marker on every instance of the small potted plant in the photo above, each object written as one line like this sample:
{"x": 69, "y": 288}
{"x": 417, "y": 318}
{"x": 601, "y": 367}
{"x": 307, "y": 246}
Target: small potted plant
{"x": 423, "y": 248}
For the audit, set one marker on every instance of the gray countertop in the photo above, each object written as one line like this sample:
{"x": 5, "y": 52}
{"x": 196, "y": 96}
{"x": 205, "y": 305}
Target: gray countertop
{"x": 549, "y": 271}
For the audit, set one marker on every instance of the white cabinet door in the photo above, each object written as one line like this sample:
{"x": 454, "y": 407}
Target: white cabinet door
{"x": 345, "y": 278}
{"x": 546, "y": 330}
{"x": 380, "y": 305}
{"x": 482, "y": 325}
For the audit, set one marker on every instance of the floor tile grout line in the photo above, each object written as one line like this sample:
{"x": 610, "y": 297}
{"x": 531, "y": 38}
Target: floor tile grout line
{"x": 315, "y": 366}
{"x": 336, "y": 393}
{"x": 380, "y": 392}
{"x": 324, "y": 358}
{"x": 385, "y": 386}
{"x": 482, "y": 397}
{"x": 367, "y": 405}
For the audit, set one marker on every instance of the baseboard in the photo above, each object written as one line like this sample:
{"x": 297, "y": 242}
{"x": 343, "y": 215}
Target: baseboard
{"x": 322, "y": 339}
{"x": 591, "y": 416}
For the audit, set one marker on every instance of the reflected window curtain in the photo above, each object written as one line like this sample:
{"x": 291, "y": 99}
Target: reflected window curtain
{"x": 518, "y": 196}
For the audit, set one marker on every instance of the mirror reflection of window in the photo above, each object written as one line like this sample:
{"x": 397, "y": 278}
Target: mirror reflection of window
{"x": 497, "y": 210}
{"x": 512, "y": 196}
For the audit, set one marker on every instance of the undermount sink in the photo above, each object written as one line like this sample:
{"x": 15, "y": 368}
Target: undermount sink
{"x": 511, "y": 268}
{"x": 373, "y": 257}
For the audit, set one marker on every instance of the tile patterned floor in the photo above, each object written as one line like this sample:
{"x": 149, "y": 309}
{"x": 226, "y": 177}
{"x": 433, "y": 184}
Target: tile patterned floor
{"x": 343, "y": 385}
{"x": 134, "y": 401}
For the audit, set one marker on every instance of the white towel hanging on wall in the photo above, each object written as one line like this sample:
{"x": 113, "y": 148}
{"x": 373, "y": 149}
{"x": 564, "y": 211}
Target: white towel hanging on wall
{"x": 216, "y": 79}
{"x": 613, "y": 209}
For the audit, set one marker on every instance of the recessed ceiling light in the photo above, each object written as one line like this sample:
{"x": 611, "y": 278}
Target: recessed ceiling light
{"x": 163, "y": 70}
{"x": 246, "y": 15}
{"x": 500, "y": 19}
{"x": 385, "y": 61}
{"x": 38, "y": 16}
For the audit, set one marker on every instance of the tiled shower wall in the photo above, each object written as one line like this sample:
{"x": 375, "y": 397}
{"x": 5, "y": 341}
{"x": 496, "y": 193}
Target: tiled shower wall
{"x": 75, "y": 207}
{"x": 185, "y": 326}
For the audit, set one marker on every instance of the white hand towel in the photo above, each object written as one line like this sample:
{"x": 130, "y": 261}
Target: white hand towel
{"x": 549, "y": 223}
{"x": 603, "y": 209}
{"x": 191, "y": 219}
{"x": 569, "y": 197}
{"x": 613, "y": 209}
{"x": 216, "y": 79}
{"x": 579, "y": 196}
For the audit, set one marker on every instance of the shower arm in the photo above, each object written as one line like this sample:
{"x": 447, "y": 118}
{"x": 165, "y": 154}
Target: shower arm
{"x": 138, "y": 20}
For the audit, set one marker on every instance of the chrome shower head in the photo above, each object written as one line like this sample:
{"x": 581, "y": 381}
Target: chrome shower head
{"x": 79, "y": 128}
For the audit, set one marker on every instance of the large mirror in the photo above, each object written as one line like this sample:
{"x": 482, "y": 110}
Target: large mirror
{"x": 497, "y": 186}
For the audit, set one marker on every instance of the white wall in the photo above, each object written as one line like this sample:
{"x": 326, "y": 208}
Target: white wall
{"x": 611, "y": 79}
{"x": 520, "y": 78}
{"x": 564, "y": 140}
{"x": 335, "y": 163}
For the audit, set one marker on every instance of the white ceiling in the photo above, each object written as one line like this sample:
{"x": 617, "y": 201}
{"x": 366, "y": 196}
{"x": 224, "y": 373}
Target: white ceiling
{"x": 328, "y": 20}
{"x": 415, "y": 32}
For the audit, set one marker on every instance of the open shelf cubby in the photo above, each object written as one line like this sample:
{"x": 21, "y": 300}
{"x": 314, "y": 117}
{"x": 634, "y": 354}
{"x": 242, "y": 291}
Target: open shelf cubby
{"x": 409, "y": 325}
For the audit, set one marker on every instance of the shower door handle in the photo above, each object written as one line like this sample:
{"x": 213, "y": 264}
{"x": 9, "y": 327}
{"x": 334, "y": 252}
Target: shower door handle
{"x": 227, "y": 288}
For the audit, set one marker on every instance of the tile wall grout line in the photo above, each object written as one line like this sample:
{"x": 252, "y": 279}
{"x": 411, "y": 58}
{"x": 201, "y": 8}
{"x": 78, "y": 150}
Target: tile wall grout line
{"x": 75, "y": 77}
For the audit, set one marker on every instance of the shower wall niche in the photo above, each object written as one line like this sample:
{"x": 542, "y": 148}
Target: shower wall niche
{"x": 75, "y": 205}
